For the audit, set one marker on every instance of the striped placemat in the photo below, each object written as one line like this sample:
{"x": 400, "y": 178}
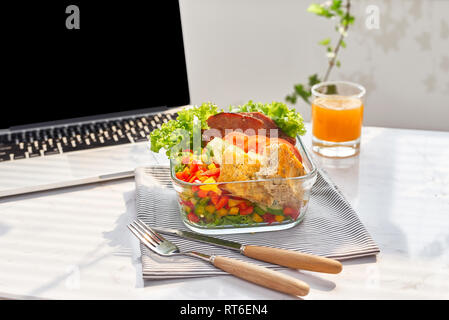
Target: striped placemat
{"x": 330, "y": 228}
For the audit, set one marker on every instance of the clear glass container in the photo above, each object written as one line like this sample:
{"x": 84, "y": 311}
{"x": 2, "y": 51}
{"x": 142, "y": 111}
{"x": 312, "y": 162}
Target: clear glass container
{"x": 215, "y": 217}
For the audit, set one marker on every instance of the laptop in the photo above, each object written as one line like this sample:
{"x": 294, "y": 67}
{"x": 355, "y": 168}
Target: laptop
{"x": 83, "y": 86}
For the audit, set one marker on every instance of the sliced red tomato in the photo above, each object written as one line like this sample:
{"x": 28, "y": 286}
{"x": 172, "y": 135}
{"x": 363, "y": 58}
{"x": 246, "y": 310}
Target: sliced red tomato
{"x": 238, "y": 139}
{"x": 293, "y": 213}
{"x": 257, "y": 143}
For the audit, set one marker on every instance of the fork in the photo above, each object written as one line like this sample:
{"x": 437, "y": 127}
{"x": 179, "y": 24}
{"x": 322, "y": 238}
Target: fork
{"x": 244, "y": 270}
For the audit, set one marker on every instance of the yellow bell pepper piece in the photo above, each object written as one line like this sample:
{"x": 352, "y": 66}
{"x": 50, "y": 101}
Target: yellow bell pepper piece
{"x": 210, "y": 180}
{"x": 222, "y": 212}
{"x": 234, "y": 202}
{"x": 279, "y": 218}
{"x": 234, "y": 211}
{"x": 211, "y": 166}
{"x": 257, "y": 218}
{"x": 210, "y": 208}
{"x": 199, "y": 210}
{"x": 211, "y": 187}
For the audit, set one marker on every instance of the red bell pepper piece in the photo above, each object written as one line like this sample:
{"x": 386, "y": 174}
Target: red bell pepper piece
{"x": 214, "y": 197}
{"x": 242, "y": 206}
{"x": 188, "y": 203}
{"x": 246, "y": 211}
{"x": 193, "y": 217}
{"x": 179, "y": 175}
{"x": 222, "y": 202}
{"x": 192, "y": 177}
{"x": 202, "y": 193}
{"x": 268, "y": 217}
{"x": 193, "y": 168}
{"x": 211, "y": 172}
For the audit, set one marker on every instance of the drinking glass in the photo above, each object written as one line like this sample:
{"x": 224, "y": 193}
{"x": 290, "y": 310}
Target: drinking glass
{"x": 337, "y": 115}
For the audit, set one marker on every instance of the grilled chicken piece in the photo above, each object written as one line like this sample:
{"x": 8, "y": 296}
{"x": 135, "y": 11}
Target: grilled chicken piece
{"x": 278, "y": 161}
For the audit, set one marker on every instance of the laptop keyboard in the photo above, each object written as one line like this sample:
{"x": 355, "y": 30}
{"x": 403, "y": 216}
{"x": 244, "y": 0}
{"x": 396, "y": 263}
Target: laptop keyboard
{"x": 57, "y": 140}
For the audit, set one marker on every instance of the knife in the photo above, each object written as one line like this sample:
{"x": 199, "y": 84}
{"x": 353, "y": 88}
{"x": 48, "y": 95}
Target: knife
{"x": 282, "y": 257}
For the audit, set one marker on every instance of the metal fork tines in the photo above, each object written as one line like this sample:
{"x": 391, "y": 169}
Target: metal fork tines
{"x": 158, "y": 244}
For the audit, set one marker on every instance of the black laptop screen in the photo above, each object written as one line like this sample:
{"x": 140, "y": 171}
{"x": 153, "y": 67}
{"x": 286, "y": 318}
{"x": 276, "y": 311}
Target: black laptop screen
{"x": 99, "y": 57}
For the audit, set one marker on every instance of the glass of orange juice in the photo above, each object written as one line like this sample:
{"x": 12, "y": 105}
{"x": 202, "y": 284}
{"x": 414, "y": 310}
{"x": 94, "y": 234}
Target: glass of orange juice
{"x": 337, "y": 115}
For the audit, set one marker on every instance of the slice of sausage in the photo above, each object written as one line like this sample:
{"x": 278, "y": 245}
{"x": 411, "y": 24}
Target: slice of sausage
{"x": 234, "y": 121}
{"x": 270, "y": 124}
{"x": 225, "y": 122}
{"x": 248, "y": 122}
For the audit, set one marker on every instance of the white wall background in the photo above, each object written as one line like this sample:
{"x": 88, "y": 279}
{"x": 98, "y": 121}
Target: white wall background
{"x": 238, "y": 50}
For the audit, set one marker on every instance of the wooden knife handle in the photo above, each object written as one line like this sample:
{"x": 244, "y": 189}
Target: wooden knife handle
{"x": 293, "y": 259}
{"x": 262, "y": 276}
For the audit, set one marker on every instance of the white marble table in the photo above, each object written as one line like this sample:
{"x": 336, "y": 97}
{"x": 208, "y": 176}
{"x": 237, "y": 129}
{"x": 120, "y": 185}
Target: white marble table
{"x": 73, "y": 243}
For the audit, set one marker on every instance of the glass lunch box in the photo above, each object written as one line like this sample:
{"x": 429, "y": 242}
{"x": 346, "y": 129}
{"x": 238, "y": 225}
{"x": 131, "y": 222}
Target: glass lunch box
{"x": 228, "y": 214}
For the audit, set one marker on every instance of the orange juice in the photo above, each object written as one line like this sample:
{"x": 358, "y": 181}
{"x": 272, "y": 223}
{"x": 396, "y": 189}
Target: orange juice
{"x": 336, "y": 118}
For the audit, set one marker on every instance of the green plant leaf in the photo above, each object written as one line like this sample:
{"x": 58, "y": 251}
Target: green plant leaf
{"x": 329, "y": 9}
{"x": 313, "y": 80}
{"x": 291, "y": 98}
{"x": 347, "y": 20}
{"x": 302, "y": 92}
{"x": 325, "y": 42}
{"x": 320, "y": 10}
{"x": 336, "y": 4}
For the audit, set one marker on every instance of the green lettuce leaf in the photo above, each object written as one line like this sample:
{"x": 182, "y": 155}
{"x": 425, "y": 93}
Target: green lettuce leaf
{"x": 170, "y": 135}
{"x": 288, "y": 120}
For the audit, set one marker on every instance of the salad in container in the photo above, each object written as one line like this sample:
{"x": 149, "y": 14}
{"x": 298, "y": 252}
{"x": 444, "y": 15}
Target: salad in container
{"x": 241, "y": 171}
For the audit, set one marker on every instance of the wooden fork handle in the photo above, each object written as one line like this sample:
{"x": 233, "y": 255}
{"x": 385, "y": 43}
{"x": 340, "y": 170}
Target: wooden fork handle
{"x": 262, "y": 276}
{"x": 293, "y": 259}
